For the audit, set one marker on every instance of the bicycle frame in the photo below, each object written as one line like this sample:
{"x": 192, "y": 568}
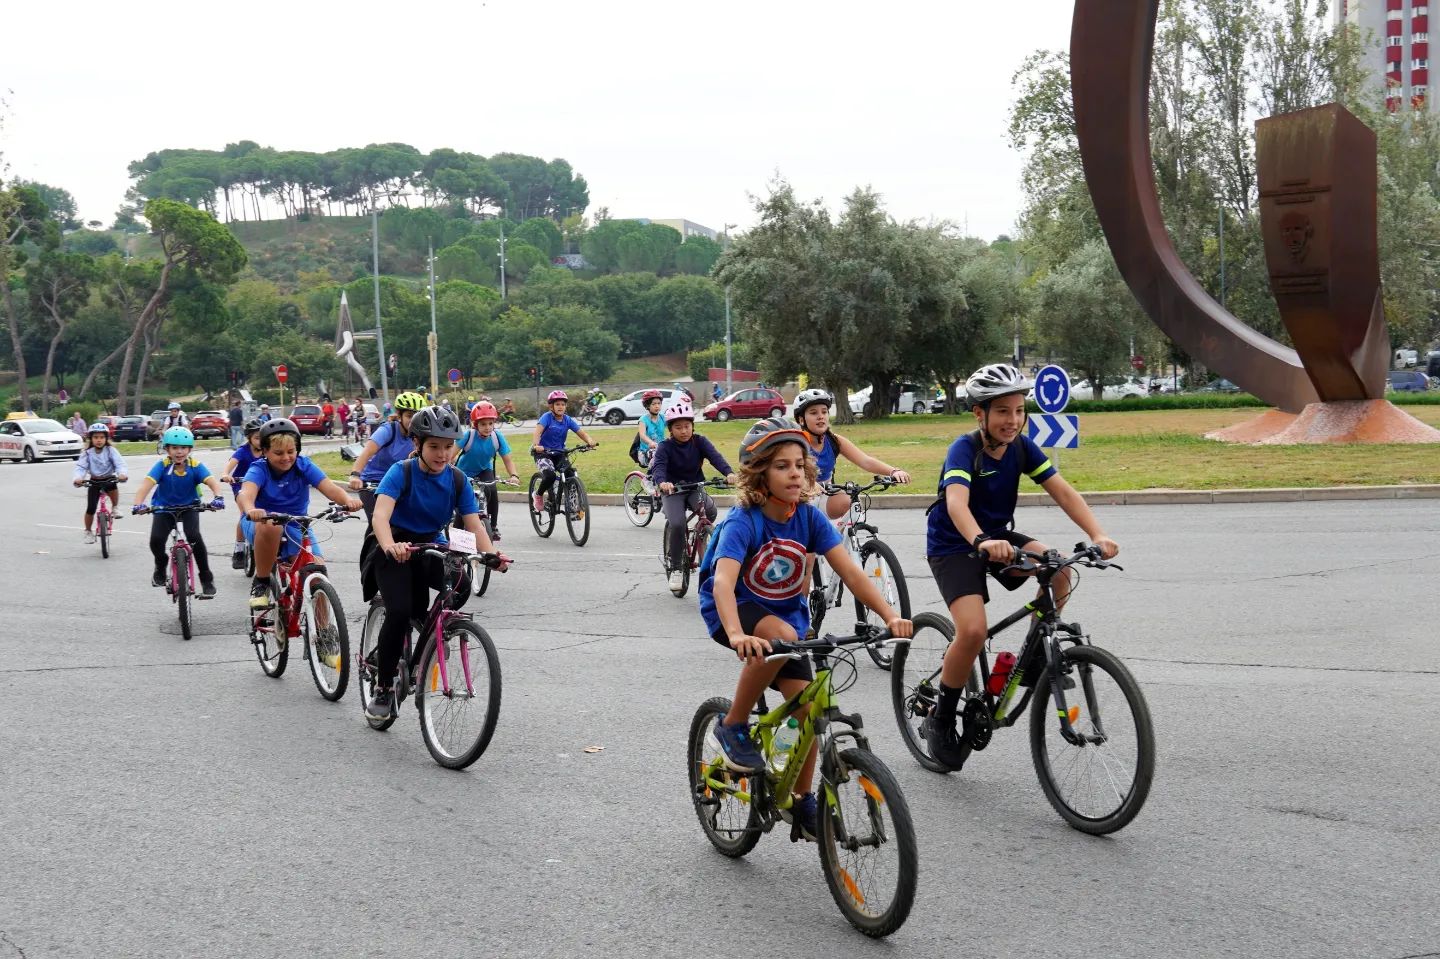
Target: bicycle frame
{"x": 297, "y": 582}
{"x": 440, "y": 616}
{"x": 178, "y": 541}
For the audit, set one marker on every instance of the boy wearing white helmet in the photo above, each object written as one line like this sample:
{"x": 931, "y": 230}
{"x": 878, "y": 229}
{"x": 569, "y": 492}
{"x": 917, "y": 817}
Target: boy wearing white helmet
{"x": 970, "y": 531}
{"x": 681, "y": 459}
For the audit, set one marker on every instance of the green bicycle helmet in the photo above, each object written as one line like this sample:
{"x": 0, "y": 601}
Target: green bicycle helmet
{"x": 409, "y": 400}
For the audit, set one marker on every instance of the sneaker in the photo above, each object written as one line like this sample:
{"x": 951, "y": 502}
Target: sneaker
{"x": 260, "y": 593}
{"x": 381, "y": 704}
{"x": 945, "y": 743}
{"x": 677, "y": 580}
{"x": 803, "y": 814}
{"x": 157, "y": 578}
{"x": 237, "y": 559}
{"x": 495, "y": 536}
{"x": 738, "y": 748}
{"x": 537, "y": 503}
{"x": 89, "y": 537}
{"x": 207, "y": 589}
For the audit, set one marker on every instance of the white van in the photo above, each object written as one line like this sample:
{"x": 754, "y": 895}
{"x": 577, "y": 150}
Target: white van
{"x": 1406, "y": 359}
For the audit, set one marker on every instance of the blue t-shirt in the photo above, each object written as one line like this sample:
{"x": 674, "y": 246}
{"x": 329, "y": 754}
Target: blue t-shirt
{"x": 825, "y": 456}
{"x": 431, "y": 501}
{"x": 395, "y": 444}
{"x": 287, "y": 492}
{"x": 553, "y": 431}
{"x": 480, "y": 455}
{"x": 654, "y": 428}
{"x": 993, "y": 493}
{"x": 175, "y": 485}
{"x": 244, "y": 457}
{"x": 772, "y": 565}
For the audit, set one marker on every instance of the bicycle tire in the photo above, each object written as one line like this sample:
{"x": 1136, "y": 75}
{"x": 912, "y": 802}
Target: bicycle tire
{"x": 879, "y": 792}
{"x": 249, "y": 561}
{"x": 364, "y": 671}
{"x": 732, "y": 840}
{"x": 102, "y": 530}
{"x": 181, "y": 594}
{"x": 639, "y": 506}
{"x": 329, "y": 653}
{"x": 900, "y": 601}
{"x": 543, "y": 521}
{"x": 913, "y": 693}
{"x": 575, "y": 488}
{"x": 484, "y": 583}
{"x": 273, "y": 655}
{"x": 1086, "y": 659}
{"x": 441, "y": 713}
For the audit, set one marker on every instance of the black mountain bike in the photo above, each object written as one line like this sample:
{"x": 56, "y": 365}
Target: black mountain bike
{"x": 567, "y": 495}
{"x": 698, "y": 528}
{"x": 1095, "y": 756}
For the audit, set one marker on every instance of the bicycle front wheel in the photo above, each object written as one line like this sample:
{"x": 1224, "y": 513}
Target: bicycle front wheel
{"x": 267, "y": 632}
{"x": 883, "y": 569}
{"x": 484, "y": 583}
{"x": 915, "y": 683}
{"x": 102, "y": 531}
{"x": 1099, "y": 785}
{"x": 544, "y": 520}
{"x": 458, "y": 715}
{"x": 577, "y": 511}
{"x": 723, "y": 798}
{"x": 326, "y": 639}
{"x": 365, "y": 661}
{"x": 867, "y": 843}
{"x": 180, "y": 580}
{"x": 249, "y": 561}
{"x": 639, "y": 507}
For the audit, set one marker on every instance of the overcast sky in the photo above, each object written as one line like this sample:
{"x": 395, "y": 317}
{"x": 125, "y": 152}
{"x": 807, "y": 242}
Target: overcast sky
{"x": 668, "y": 109}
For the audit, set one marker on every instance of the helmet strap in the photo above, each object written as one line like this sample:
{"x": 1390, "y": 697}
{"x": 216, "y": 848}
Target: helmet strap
{"x": 789, "y": 508}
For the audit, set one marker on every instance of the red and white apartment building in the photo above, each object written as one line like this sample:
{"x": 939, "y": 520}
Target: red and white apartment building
{"x": 1398, "y": 56}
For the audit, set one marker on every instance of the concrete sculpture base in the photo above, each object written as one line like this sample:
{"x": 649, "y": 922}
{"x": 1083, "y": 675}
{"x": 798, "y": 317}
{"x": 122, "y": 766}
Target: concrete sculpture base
{"x": 1344, "y": 421}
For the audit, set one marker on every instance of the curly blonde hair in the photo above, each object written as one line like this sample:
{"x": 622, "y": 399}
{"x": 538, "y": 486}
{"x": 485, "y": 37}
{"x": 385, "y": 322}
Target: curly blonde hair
{"x": 752, "y": 490}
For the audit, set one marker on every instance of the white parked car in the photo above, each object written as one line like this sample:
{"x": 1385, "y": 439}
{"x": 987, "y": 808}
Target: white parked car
{"x": 38, "y": 439}
{"x": 1115, "y": 388}
{"x": 629, "y": 406}
{"x": 913, "y": 399}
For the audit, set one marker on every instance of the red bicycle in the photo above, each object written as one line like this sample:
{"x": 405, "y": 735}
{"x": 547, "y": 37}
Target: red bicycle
{"x": 698, "y": 528}
{"x": 304, "y": 605}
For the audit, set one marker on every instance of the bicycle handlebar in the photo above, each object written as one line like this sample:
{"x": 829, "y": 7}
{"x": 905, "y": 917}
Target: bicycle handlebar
{"x": 1052, "y": 561}
{"x": 713, "y": 482}
{"x": 103, "y": 480}
{"x": 855, "y": 489}
{"x": 874, "y": 636}
{"x": 582, "y": 448}
{"x": 217, "y": 504}
{"x": 442, "y": 551}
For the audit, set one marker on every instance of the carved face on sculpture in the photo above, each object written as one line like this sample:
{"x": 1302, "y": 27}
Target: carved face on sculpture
{"x": 1296, "y": 230}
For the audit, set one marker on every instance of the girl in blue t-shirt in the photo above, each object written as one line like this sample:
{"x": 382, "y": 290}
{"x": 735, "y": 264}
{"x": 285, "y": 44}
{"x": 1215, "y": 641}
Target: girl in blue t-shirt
{"x": 389, "y": 444}
{"x": 417, "y": 511}
{"x": 176, "y": 479}
{"x": 753, "y": 586}
{"x": 550, "y": 432}
{"x": 812, "y": 412}
{"x": 650, "y": 432}
{"x": 234, "y": 474}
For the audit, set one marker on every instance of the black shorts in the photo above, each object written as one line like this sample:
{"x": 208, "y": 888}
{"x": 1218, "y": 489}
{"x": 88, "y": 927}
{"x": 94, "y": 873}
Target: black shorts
{"x": 961, "y": 574}
{"x": 750, "y": 616}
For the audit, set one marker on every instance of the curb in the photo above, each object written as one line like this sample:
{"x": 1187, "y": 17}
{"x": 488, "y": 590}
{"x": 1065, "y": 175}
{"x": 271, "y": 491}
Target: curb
{"x": 1150, "y": 497}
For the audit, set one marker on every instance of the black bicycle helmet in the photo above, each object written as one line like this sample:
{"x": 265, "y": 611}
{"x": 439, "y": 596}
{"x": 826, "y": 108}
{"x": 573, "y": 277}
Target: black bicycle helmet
{"x": 279, "y": 427}
{"x": 251, "y": 425}
{"x": 435, "y": 422}
{"x": 767, "y": 433}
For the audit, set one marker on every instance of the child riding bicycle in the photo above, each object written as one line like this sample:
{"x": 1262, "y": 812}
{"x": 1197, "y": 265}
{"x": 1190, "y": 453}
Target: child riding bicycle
{"x": 475, "y": 456}
{"x": 100, "y": 461}
{"x": 549, "y": 434}
{"x": 650, "y": 432}
{"x": 414, "y": 504}
{"x": 753, "y": 586}
{"x": 279, "y": 482}
{"x": 970, "y": 531}
{"x": 235, "y": 470}
{"x": 175, "y": 480}
{"x": 681, "y": 459}
{"x": 812, "y": 412}
{"x": 388, "y": 445}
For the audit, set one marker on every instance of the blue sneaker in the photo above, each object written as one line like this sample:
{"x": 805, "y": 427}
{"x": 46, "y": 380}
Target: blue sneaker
{"x": 803, "y": 814}
{"x": 738, "y": 748}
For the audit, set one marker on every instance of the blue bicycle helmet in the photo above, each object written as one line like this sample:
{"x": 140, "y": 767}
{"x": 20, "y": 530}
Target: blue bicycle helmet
{"x": 98, "y": 428}
{"x": 177, "y": 436}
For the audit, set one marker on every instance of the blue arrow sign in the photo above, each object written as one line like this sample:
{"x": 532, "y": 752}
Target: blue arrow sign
{"x": 1052, "y": 389}
{"x": 1062, "y": 432}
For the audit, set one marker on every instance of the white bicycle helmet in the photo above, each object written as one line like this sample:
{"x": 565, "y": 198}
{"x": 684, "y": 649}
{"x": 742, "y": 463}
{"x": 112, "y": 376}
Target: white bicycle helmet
{"x": 996, "y": 380}
{"x": 809, "y": 398}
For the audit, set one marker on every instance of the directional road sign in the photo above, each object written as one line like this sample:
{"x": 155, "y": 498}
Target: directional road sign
{"x": 1054, "y": 431}
{"x": 1052, "y": 389}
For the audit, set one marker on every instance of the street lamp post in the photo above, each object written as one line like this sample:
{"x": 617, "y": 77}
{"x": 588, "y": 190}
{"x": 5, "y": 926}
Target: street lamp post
{"x": 434, "y": 341}
{"x": 502, "y": 261}
{"x": 375, "y": 272}
{"x": 729, "y": 367}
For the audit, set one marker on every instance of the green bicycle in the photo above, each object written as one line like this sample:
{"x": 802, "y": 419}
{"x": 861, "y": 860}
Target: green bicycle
{"x": 868, "y": 850}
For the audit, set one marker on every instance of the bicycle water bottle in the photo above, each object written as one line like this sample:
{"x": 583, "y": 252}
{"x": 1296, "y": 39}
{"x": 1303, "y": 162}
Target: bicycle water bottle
{"x": 1000, "y": 675}
{"x": 785, "y": 738}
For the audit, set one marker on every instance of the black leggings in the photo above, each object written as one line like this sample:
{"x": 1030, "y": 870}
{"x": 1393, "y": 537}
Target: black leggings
{"x": 559, "y": 464}
{"x": 492, "y": 497}
{"x": 405, "y": 589}
{"x": 160, "y": 526}
{"x": 677, "y": 510}
{"x": 92, "y": 496}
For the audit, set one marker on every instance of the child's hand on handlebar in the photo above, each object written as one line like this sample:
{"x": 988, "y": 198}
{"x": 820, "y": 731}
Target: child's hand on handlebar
{"x": 399, "y": 552}
{"x": 900, "y": 628}
{"x": 750, "y": 647}
{"x": 999, "y": 551}
{"x": 1108, "y": 547}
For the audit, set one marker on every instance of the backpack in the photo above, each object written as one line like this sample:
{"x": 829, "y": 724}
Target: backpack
{"x": 707, "y": 562}
{"x": 979, "y": 442}
{"x": 455, "y": 475}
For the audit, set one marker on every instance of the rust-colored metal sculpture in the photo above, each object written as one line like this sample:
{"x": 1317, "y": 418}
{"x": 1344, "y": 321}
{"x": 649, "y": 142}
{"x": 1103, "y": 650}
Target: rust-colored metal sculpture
{"x": 1110, "y": 48}
{"x": 1318, "y": 193}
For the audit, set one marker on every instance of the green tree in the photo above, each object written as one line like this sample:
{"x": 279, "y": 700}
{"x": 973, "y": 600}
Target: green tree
{"x": 1083, "y": 309}
{"x": 572, "y": 343}
{"x": 684, "y": 312}
{"x": 59, "y": 204}
{"x": 461, "y": 262}
{"x": 697, "y": 256}
{"x": 23, "y": 220}
{"x": 600, "y": 244}
{"x": 59, "y": 285}
{"x": 541, "y": 233}
{"x": 521, "y": 258}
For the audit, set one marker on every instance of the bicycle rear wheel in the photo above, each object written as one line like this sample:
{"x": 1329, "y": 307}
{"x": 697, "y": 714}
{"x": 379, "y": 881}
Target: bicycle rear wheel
{"x": 249, "y": 561}
{"x": 915, "y": 683}
{"x": 722, "y": 798}
{"x": 365, "y": 661}
{"x": 267, "y": 633}
{"x": 1098, "y": 787}
{"x": 867, "y": 843}
{"x": 180, "y": 588}
{"x": 639, "y": 506}
{"x": 326, "y": 647}
{"x": 577, "y": 511}
{"x": 457, "y": 723}
{"x": 102, "y": 531}
{"x": 883, "y": 569}
{"x": 484, "y": 583}
{"x": 543, "y": 521}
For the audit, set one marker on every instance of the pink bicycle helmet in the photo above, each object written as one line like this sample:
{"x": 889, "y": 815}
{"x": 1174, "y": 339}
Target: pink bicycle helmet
{"x": 556, "y": 395}
{"x": 680, "y": 410}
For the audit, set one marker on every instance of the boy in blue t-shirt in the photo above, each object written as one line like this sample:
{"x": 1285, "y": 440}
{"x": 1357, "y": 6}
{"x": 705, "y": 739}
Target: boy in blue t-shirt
{"x": 550, "y": 432}
{"x": 279, "y": 482}
{"x": 475, "y": 456}
{"x": 234, "y": 474}
{"x": 176, "y": 480}
{"x": 970, "y": 532}
{"x": 753, "y": 587}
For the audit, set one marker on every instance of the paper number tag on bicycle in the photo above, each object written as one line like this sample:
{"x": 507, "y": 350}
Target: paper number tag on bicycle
{"x": 462, "y": 541}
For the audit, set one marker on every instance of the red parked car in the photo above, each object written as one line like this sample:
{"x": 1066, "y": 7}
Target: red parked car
{"x": 308, "y": 418}
{"x": 210, "y": 423}
{"x": 753, "y": 403}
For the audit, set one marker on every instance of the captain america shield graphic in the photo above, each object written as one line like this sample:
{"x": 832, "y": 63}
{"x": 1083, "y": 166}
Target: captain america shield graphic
{"x": 777, "y": 571}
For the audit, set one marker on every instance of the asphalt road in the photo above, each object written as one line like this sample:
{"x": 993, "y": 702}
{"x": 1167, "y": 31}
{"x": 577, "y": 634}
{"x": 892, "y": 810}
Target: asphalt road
{"x": 164, "y": 798}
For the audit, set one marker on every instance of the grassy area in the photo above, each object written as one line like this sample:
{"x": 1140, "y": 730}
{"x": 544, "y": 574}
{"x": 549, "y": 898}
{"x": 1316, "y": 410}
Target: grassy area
{"x": 650, "y": 369}
{"x": 136, "y": 447}
{"x": 1119, "y": 451}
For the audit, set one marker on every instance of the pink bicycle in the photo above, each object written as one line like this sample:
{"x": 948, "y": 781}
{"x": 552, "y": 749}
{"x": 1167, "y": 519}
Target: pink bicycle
{"x": 180, "y": 587}
{"x": 455, "y": 677}
{"x": 104, "y": 516}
